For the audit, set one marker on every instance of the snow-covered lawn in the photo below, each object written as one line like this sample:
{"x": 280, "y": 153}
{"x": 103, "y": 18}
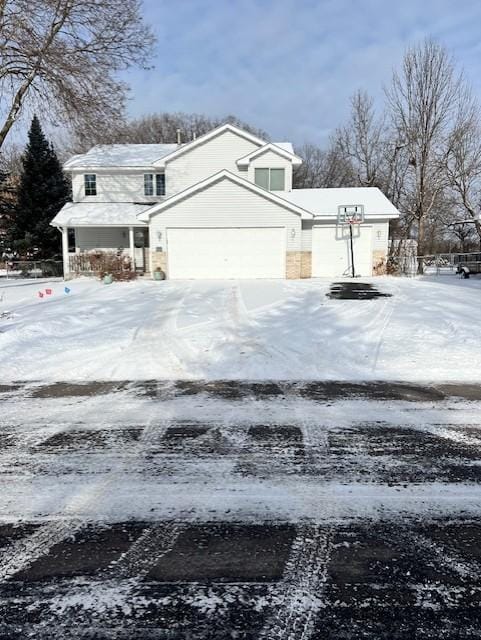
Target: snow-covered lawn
{"x": 429, "y": 330}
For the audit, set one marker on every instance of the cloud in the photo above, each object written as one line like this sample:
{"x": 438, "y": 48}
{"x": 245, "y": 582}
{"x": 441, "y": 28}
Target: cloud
{"x": 289, "y": 66}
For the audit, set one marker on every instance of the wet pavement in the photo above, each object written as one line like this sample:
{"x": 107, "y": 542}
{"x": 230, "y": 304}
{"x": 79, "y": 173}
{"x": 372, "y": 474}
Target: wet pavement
{"x": 354, "y": 290}
{"x": 236, "y": 567}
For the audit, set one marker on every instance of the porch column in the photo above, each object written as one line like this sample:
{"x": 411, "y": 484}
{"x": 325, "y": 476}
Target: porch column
{"x": 66, "y": 264}
{"x": 131, "y": 246}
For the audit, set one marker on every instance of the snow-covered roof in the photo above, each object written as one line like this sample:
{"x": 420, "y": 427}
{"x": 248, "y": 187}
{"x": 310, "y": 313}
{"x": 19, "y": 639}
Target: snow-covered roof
{"x": 78, "y": 214}
{"x": 120, "y": 155}
{"x": 226, "y": 175}
{"x": 275, "y": 148}
{"x": 324, "y": 202}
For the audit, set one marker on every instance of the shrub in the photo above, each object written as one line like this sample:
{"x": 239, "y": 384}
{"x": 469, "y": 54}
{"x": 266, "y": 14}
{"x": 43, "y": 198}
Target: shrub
{"x": 102, "y": 263}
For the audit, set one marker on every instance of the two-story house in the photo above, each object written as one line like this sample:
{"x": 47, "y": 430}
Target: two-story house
{"x": 221, "y": 206}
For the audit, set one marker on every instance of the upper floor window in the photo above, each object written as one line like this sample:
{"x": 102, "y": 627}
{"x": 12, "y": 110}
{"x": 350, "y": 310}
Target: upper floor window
{"x": 270, "y": 179}
{"x": 150, "y": 180}
{"x": 90, "y": 182}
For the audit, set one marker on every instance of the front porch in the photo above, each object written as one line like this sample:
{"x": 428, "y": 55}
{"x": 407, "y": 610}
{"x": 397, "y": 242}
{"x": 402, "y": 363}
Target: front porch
{"x": 82, "y": 246}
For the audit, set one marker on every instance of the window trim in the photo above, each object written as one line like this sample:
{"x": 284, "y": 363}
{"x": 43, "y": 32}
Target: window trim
{"x": 148, "y": 181}
{"x": 155, "y": 184}
{"x": 269, "y": 170}
{"x": 160, "y": 184}
{"x": 88, "y": 187}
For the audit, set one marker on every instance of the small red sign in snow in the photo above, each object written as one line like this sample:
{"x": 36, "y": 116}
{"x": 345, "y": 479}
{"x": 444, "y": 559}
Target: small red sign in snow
{"x": 48, "y": 292}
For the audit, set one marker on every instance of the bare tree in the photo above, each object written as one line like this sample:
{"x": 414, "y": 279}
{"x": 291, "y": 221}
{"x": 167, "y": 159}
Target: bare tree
{"x": 160, "y": 128}
{"x": 323, "y": 168}
{"x": 423, "y": 99}
{"x": 363, "y": 140}
{"x": 463, "y": 169}
{"x": 61, "y": 56}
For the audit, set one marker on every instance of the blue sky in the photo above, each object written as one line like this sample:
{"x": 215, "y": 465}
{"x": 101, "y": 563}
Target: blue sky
{"x": 290, "y": 66}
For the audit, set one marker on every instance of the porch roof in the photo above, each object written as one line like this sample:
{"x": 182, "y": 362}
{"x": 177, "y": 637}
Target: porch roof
{"x": 99, "y": 214}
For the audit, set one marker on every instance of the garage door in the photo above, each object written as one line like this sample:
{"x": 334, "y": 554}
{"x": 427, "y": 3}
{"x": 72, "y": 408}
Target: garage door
{"x": 226, "y": 253}
{"x": 331, "y": 253}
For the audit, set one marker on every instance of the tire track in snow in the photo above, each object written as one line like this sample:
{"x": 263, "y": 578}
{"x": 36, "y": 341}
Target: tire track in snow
{"x": 27, "y": 550}
{"x": 122, "y": 578}
{"x": 445, "y": 556}
{"x": 302, "y": 587}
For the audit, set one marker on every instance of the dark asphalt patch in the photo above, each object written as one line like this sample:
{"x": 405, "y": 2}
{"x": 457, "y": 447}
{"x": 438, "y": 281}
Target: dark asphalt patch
{"x": 385, "y": 579}
{"x": 226, "y": 553}
{"x": 355, "y": 291}
{"x": 85, "y": 553}
{"x": 276, "y": 434}
{"x": 90, "y": 440}
{"x": 383, "y": 391}
{"x": 79, "y": 390}
{"x": 322, "y": 391}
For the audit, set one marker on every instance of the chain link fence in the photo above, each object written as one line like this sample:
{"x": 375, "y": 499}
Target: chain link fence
{"x": 21, "y": 269}
{"x": 437, "y": 264}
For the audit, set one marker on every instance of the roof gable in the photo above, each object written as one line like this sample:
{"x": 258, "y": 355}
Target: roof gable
{"x": 270, "y": 146}
{"x": 209, "y": 136}
{"x": 223, "y": 175}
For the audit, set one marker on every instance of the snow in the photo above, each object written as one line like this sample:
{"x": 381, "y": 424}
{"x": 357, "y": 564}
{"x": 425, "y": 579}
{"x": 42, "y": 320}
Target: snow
{"x": 145, "y": 480}
{"x": 131, "y": 155}
{"x": 120, "y": 155}
{"x": 99, "y": 213}
{"x": 428, "y": 331}
{"x": 324, "y": 202}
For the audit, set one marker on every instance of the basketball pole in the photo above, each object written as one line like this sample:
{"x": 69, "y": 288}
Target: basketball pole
{"x": 352, "y": 250}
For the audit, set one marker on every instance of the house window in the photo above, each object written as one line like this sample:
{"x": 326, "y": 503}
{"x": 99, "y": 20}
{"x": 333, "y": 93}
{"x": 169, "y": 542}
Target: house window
{"x": 160, "y": 184}
{"x": 270, "y": 179}
{"x": 149, "y": 184}
{"x": 90, "y": 182}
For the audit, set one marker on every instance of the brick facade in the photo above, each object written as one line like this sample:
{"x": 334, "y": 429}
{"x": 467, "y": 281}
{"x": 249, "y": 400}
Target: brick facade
{"x": 293, "y": 265}
{"x": 306, "y": 264}
{"x": 159, "y": 260}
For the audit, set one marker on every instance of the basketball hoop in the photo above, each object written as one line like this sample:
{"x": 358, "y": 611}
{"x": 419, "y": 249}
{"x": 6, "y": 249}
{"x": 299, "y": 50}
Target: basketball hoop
{"x": 351, "y": 214}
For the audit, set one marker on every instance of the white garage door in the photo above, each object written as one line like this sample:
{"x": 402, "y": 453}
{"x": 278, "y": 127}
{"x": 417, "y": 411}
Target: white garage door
{"x": 331, "y": 252}
{"x": 226, "y": 253}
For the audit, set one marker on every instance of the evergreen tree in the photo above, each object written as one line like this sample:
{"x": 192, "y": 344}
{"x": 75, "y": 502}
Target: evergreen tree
{"x": 43, "y": 190}
{"x": 8, "y": 195}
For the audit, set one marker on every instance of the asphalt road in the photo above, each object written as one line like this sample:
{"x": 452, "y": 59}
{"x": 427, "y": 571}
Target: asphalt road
{"x": 240, "y": 567}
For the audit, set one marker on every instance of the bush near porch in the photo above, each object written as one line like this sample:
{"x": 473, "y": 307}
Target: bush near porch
{"x": 102, "y": 263}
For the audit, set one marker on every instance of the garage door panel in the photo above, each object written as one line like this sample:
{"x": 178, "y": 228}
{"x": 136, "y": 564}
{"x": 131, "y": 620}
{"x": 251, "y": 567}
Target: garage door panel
{"x": 331, "y": 251}
{"x": 224, "y": 253}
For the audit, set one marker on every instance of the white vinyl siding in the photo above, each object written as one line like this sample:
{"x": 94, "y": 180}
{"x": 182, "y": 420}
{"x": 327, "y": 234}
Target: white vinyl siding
{"x": 207, "y": 159}
{"x": 113, "y": 186}
{"x": 225, "y": 204}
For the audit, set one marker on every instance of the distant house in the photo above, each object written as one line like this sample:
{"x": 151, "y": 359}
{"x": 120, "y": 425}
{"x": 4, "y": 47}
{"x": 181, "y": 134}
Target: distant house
{"x": 221, "y": 206}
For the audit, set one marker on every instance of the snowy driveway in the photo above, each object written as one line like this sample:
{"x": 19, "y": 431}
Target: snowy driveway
{"x": 428, "y": 330}
{"x": 240, "y": 510}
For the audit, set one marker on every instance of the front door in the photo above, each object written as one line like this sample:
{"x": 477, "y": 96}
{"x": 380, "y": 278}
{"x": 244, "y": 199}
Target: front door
{"x": 140, "y": 241}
